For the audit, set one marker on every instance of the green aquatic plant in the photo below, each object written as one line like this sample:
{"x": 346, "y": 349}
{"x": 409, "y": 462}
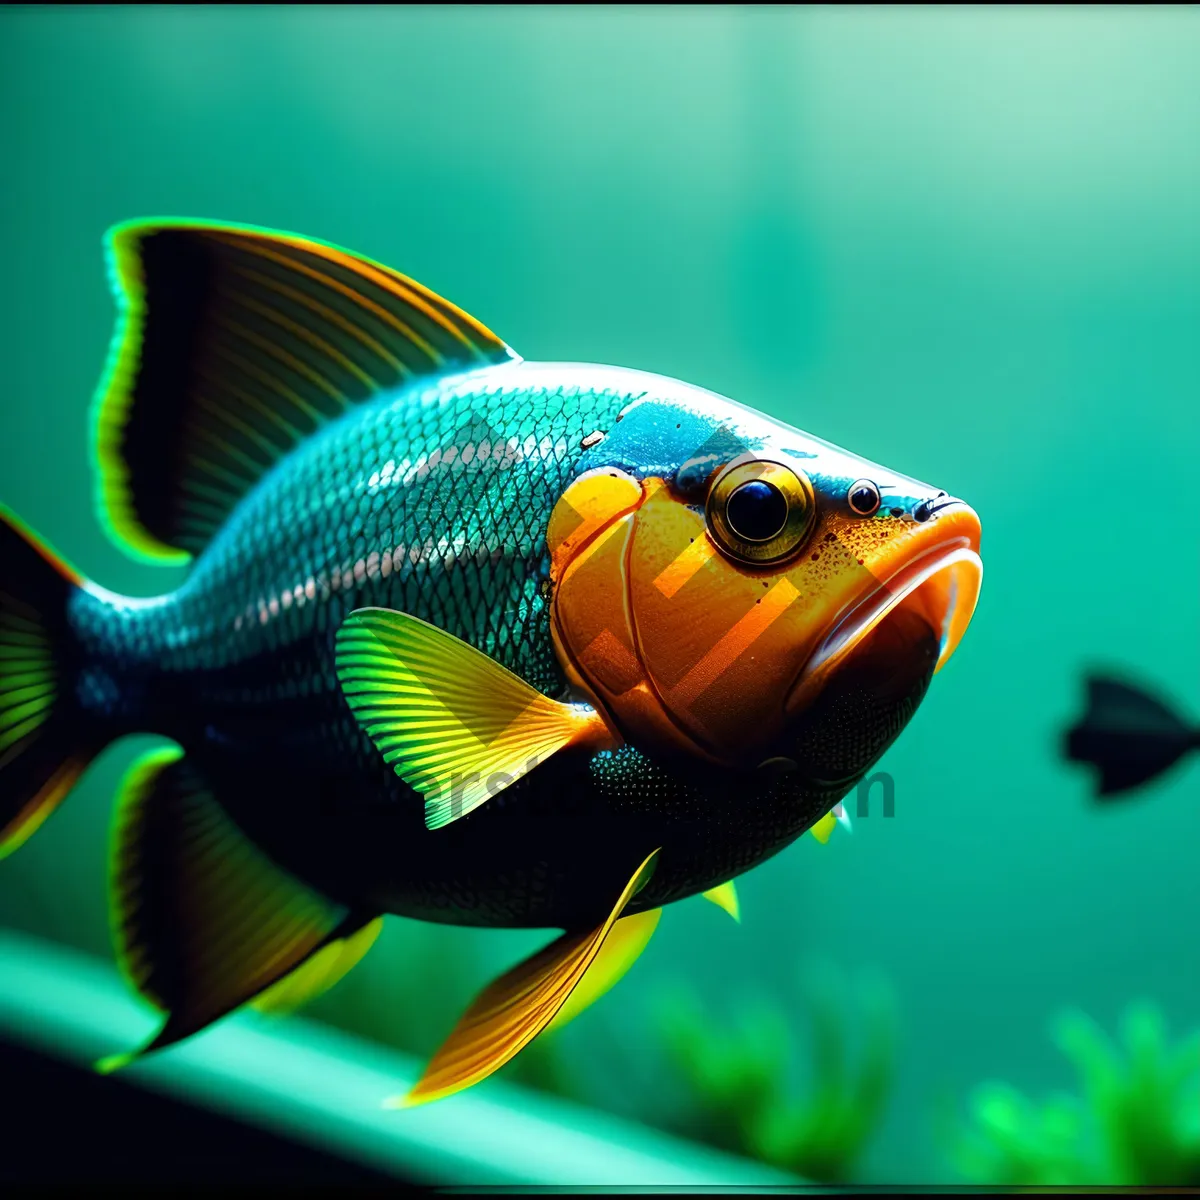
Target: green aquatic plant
{"x": 1135, "y": 1120}
{"x": 738, "y": 1075}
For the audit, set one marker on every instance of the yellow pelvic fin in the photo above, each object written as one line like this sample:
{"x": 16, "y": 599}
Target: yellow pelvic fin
{"x": 824, "y": 827}
{"x": 508, "y": 1014}
{"x": 455, "y": 725}
{"x": 621, "y": 949}
{"x": 319, "y": 973}
{"x": 725, "y": 896}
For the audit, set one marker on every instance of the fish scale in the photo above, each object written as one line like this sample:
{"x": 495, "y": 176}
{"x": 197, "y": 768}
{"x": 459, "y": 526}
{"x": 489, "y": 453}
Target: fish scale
{"x": 467, "y": 545}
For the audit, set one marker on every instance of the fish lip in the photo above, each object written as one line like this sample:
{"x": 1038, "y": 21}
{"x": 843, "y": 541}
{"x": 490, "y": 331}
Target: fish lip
{"x": 958, "y": 553}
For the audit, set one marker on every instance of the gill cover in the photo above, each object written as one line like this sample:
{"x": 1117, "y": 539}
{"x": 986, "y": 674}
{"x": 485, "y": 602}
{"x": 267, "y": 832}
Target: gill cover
{"x": 682, "y": 645}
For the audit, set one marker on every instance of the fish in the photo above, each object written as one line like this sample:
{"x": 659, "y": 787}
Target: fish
{"x": 463, "y": 638}
{"x": 1128, "y": 735}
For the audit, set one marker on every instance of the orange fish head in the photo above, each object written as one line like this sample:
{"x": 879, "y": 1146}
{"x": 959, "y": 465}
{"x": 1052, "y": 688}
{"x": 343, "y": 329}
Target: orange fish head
{"x": 731, "y": 607}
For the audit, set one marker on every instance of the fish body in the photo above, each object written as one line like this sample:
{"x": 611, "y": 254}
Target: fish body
{"x": 669, "y": 631}
{"x": 434, "y": 501}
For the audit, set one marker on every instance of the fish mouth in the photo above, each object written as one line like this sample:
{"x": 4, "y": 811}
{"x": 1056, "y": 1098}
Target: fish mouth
{"x": 937, "y": 578}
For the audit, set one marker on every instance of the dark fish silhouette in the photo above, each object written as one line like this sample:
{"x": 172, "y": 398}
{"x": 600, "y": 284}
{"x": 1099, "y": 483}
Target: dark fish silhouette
{"x": 1130, "y": 736}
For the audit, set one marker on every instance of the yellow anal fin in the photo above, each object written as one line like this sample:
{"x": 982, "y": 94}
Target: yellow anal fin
{"x": 455, "y": 725}
{"x": 318, "y": 974}
{"x": 725, "y": 896}
{"x": 508, "y": 1014}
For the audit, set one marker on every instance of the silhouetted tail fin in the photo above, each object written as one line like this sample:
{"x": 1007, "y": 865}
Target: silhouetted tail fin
{"x": 1128, "y": 735}
{"x": 45, "y": 740}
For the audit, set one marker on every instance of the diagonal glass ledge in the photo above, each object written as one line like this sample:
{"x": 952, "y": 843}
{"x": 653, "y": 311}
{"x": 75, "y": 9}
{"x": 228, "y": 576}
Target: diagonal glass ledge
{"x": 320, "y": 1086}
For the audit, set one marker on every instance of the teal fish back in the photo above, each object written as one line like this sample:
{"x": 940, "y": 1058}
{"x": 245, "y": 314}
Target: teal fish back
{"x": 433, "y": 500}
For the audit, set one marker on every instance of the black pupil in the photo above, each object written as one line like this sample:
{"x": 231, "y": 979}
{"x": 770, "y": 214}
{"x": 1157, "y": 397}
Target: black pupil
{"x": 862, "y": 499}
{"x": 757, "y": 511}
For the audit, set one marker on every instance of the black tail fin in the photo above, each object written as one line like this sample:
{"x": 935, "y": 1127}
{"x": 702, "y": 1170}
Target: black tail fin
{"x": 1129, "y": 735}
{"x": 45, "y": 741}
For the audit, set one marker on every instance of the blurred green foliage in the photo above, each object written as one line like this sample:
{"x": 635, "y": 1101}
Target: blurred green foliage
{"x": 1135, "y": 1120}
{"x": 739, "y": 1073}
{"x": 731, "y": 1084}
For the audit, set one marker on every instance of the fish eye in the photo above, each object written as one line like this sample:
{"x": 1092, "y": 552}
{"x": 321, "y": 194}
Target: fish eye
{"x": 756, "y": 511}
{"x": 760, "y": 512}
{"x": 863, "y": 497}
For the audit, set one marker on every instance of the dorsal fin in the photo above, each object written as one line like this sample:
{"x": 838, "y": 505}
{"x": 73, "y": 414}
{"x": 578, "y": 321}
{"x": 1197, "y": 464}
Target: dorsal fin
{"x": 233, "y": 344}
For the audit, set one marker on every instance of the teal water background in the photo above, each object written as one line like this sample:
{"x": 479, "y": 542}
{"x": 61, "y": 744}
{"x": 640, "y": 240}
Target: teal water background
{"x": 964, "y": 243}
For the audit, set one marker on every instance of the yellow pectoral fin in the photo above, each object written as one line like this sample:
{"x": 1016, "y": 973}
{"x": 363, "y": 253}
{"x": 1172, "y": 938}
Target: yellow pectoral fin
{"x": 455, "y": 725}
{"x": 508, "y": 1014}
{"x": 725, "y": 896}
{"x": 319, "y": 973}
